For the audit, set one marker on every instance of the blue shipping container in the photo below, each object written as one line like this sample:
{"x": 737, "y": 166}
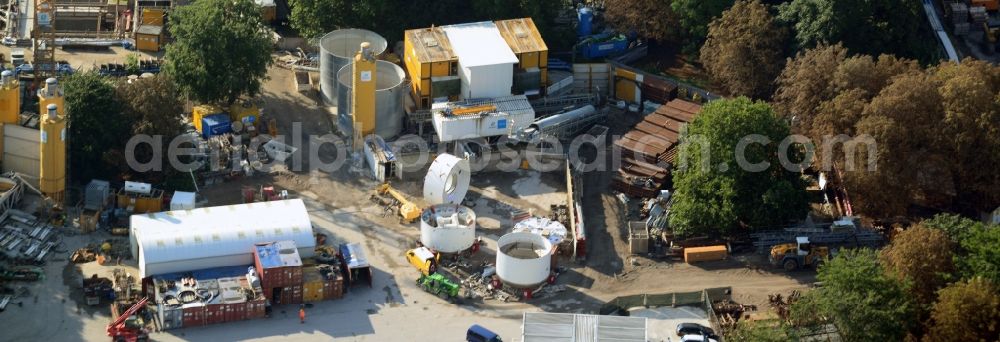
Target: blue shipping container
{"x": 602, "y": 49}
{"x": 215, "y": 124}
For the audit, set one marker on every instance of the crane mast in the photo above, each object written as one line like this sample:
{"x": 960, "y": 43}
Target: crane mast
{"x": 43, "y": 37}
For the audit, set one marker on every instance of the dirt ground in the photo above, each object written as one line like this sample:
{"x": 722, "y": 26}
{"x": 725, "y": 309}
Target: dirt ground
{"x": 341, "y": 208}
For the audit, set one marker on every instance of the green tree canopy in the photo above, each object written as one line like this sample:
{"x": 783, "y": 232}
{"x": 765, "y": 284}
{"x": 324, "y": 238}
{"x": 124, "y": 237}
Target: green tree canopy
{"x": 97, "y": 126}
{"x": 221, "y": 49}
{"x": 968, "y": 310}
{"x": 872, "y": 27}
{"x": 744, "y": 51}
{"x": 859, "y": 298}
{"x": 694, "y": 17}
{"x": 153, "y": 107}
{"x": 713, "y": 192}
{"x": 923, "y": 257}
{"x": 635, "y": 15}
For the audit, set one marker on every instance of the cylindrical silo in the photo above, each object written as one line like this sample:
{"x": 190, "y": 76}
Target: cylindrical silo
{"x": 337, "y": 49}
{"x": 523, "y": 259}
{"x": 390, "y": 88}
{"x": 448, "y": 228}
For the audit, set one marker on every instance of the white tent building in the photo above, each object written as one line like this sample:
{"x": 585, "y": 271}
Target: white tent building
{"x": 187, "y": 240}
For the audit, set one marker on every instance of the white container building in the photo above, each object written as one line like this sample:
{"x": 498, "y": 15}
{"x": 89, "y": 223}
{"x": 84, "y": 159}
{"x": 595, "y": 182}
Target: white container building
{"x": 187, "y": 240}
{"x": 512, "y": 114}
{"x": 485, "y": 61}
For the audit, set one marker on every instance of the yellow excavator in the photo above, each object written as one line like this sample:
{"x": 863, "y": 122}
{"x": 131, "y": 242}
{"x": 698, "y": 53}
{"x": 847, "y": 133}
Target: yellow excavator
{"x": 408, "y": 211}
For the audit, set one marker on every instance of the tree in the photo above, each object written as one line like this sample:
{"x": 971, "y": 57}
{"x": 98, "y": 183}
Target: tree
{"x": 871, "y": 27}
{"x": 970, "y": 309}
{"x": 694, "y": 17}
{"x": 153, "y": 107}
{"x": 760, "y": 331}
{"x": 716, "y": 191}
{"x": 652, "y": 19}
{"x": 97, "y": 127}
{"x": 313, "y": 18}
{"x": 896, "y": 119}
{"x": 981, "y": 257}
{"x": 923, "y": 257}
{"x": 956, "y": 227}
{"x": 859, "y": 298}
{"x": 967, "y": 127}
{"x": 744, "y": 50}
{"x": 221, "y": 50}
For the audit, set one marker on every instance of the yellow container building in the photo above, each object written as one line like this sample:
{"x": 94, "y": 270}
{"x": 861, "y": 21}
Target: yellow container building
{"x": 10, "y": 98}
{"x": 531, "y": 72}
{"x": 429, "y": 60}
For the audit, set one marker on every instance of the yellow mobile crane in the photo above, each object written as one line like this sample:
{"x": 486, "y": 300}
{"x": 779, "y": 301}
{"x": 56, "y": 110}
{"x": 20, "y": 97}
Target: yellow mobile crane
{"x": 408, "y": 211}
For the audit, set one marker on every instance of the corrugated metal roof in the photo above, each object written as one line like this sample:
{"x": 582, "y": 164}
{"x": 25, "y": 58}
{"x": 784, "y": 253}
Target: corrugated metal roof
{"x": 478, "y": 44}
{"x": 353, "y": 255}
{"x": 513, "y": 105}
{"x": 521, "y": 35}
{"x": 175, "y": 236}
{"x": 548, "y": 327}
{"x": 430, "y": 45}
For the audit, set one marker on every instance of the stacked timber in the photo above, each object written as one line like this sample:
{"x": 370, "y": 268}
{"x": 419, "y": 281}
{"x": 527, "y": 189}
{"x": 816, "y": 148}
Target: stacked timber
{"x": 648, "y": 150}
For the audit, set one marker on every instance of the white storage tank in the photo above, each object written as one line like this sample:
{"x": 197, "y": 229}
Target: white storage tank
{"x": 448, "y": 228}
{"x": 523, "y": 259}
{"x": 337, "y": 49}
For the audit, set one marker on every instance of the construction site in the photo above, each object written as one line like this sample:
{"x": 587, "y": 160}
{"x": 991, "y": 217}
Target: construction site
{"x": 465, "y": 196}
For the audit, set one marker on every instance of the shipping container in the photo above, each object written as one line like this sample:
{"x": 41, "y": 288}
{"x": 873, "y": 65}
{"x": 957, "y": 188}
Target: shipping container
{"x": 256, "y": 309}
{"x": 201, "y": 111}
{"x": 278, "y": 264}
{"x": 709, "y": 253}
{"x": 216, "y": 124}
{"x": 170, "y": 318}
{"x": 194, "y": 315}
{"x": 215, "y": 314}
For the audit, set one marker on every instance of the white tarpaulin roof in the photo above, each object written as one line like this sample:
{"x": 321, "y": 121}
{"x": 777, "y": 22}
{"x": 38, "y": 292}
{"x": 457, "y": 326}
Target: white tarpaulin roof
{"x": 556, "y": 327}
{"x": 225, "y": 233}
{"x": 478, "y": 44}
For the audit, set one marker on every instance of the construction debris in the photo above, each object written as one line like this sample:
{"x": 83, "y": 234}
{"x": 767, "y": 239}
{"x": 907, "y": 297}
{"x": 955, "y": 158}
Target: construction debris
{"x": 783, "y": 306}
{"x": 83, "y": 255}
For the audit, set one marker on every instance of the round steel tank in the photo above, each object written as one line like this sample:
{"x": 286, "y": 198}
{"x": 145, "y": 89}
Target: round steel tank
{"x": 523, "y": 259}
{"x": 390, "y": 87}
{"x": 448, "y": 228}
{"x": 337, "y": 49}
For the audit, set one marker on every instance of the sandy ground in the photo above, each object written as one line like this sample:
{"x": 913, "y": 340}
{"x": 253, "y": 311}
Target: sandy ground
{"x": 394, "y": 309}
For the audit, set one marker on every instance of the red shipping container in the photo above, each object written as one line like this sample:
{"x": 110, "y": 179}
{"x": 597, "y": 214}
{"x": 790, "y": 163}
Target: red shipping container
{"x": 215, "y": 314}
{"x": 278, "y": 264}
{"x": 194, "y": 316}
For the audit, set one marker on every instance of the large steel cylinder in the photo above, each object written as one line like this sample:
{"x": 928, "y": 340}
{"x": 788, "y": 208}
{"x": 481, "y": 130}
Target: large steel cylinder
{"x": 337, "y": 49}
{"x": 390, "y": 88}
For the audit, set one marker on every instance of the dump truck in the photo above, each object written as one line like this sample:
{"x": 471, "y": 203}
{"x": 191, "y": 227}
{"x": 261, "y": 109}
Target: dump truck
{"x": 438, "y": 285}
{"x": 423, "y": 259}
{"x": 800, "y": 254}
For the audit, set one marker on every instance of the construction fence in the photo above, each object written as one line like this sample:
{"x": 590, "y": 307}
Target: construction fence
{"x": 702, "y": 299}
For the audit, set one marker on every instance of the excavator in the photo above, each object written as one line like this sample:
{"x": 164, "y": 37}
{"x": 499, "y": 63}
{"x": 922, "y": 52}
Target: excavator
{"x": 408, "y": 211}
{"x": 127, "y": 327}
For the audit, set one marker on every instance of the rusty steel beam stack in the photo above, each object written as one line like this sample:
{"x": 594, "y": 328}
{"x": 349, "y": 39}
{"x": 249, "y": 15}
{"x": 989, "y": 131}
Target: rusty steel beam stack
{"x": 648, "y": 150}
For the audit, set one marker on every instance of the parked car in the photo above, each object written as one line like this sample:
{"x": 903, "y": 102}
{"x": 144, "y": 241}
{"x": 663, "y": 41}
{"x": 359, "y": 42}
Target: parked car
{"x": 699, "y": 338}
{"x": 684, "y": 329}
{"x": 478, "y": 333}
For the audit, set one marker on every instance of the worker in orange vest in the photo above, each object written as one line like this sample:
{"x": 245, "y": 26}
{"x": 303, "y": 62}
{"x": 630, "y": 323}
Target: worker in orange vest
{"x": 302, "y": 314}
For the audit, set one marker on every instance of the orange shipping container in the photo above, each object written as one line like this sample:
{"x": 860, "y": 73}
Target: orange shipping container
{"x": 710, "y": 253}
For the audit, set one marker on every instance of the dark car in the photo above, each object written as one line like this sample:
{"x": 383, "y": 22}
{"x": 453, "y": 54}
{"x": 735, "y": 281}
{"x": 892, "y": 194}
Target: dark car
{"x": 477, "y": 333}
{"x": 694, "y": 329}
